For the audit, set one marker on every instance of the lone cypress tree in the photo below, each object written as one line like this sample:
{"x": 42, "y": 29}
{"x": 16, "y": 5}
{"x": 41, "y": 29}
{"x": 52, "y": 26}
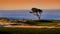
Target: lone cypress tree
{"x": 36, "y": 12}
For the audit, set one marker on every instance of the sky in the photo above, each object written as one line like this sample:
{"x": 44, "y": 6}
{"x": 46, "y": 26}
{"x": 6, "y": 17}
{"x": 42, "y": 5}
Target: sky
{"x": 28, "y": 4}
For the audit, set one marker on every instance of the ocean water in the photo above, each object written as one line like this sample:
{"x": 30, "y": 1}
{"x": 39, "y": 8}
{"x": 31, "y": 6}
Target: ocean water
{"x": 24, "y": 14}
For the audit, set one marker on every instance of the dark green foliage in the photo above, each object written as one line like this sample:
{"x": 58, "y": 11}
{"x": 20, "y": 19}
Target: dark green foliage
{"x": 44, "y": 21}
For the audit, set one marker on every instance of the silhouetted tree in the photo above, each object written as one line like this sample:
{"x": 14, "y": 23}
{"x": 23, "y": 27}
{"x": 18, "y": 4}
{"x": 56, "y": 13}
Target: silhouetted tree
{"x": 36, "y": 12}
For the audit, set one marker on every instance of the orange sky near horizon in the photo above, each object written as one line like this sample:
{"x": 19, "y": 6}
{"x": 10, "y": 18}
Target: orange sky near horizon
{"x": 28, "y": 4}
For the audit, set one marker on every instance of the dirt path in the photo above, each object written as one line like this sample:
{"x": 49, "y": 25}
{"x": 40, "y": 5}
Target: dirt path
{"x": 32, "y": 26}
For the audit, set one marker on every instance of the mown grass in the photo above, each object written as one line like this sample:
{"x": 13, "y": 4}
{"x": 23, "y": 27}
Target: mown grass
{"x": 30, "y": 30}
{"x": 44, "y": 22}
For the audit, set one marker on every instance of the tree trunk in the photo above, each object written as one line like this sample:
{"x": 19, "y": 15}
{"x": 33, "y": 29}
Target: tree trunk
{"x": 38, "y": 16}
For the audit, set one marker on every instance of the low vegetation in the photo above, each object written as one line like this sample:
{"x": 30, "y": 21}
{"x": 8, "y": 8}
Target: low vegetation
{"x": 44, "y": 22}
{"x": 31, "y": 22}
{"x": 29, "y": 31}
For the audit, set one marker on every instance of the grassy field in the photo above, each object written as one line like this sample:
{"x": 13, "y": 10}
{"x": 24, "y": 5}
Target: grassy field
{"x": 44, "y": 22}
{"x": 34, "y": 30}
{"x": 29, "y": 31}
